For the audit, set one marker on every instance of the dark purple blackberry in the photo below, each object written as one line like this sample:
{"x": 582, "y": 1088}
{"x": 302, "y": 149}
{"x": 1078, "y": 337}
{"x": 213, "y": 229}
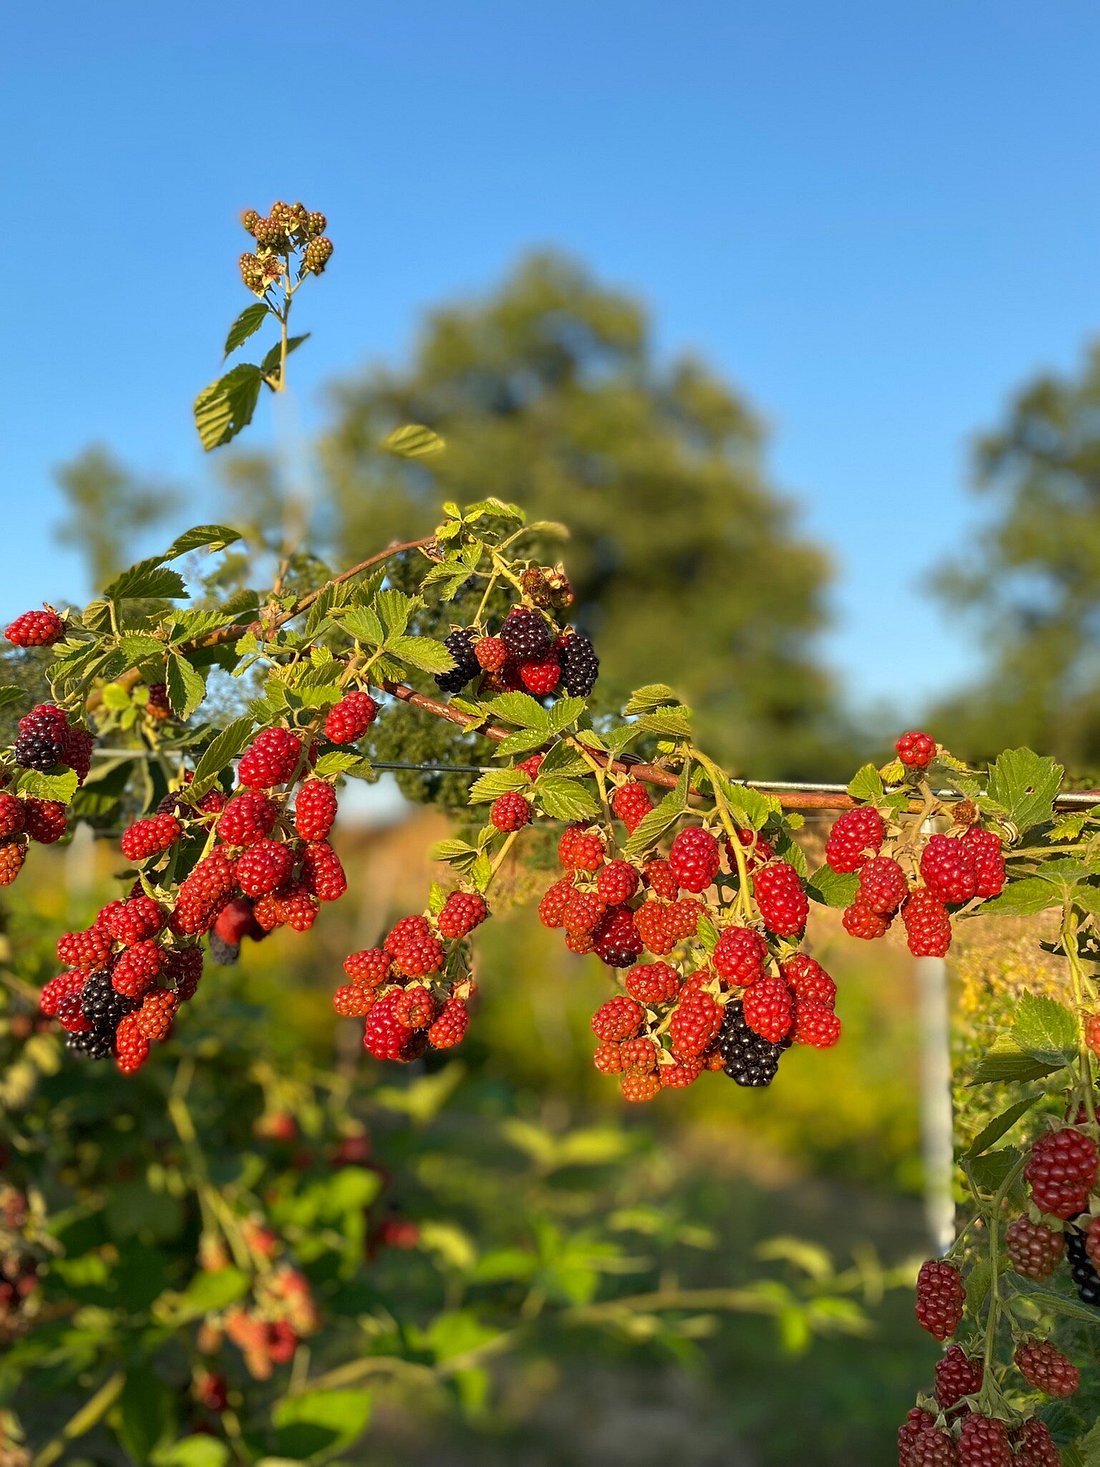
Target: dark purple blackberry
{"x": 749, "y": 1059}
{"x": 102, "y": 1005}
{"x": 580, "y": 667}
{"x": 526, "y": 634}
{"x": 96, "y": 1044}
{"x": 225, "y": 954}
{"x": 37, "y": 751}
{"x": 461, "y": 647}
{"x": 1085, "y": 1278}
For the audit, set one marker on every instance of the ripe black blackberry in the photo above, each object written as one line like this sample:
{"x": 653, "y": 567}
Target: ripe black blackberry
{"x": 460, "y": 645}
{"x": 103, "y": 1006}
{"x": 96, "y": 1044}
{"x": 1085, "y": 1278}
{"x": 580, "y": 667}
{"x": 39, "y": 751}
{"x": 224, "y": 953}
{"x": 526, "y": 634}
{"x": 749, "y": 1059}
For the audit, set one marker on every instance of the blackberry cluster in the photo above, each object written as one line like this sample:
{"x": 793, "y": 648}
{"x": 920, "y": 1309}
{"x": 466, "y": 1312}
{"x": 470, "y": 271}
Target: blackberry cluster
{"x": 460, "y": 645}
{"x": 580, "y": 667}
{"x": 747, "y": 1058}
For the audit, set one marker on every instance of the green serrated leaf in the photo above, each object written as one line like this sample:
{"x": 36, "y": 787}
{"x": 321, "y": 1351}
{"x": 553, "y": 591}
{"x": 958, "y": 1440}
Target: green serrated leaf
{"x": 60, "y": 787}
{"x": 1058, "y": 1303}
{"x": 137, "y": 647}
{"x": 219, "y": 753}
{"x": 495, "y": 782}
{"x": 273, "y": 357}
{"x": 454, "y": 852}
{"x": 395, "y": 608}
{"x": 1022, "y": 899}
{"x": 148, "y": 578}
{"x": 1007, "y": 1061}
{"x": 990, "y": 1170}
{"x": 999, "y": 1126}
{"x": 832, "y": 888}
{"x": 11, "y": 693}
{"x": 413, "y": 440}
{"x": 750, "y": 807}
{"x": 1045, "y": 1029}
{"x": 522, "y": 742}
{"x": 521, "y": 709}
{"x": 707, "y": 932}
{"x": 673, "y": 722}
{"x": 202, "y": 537}
{"x": 186, "y": 686}
{"x": 423, "y": 652}
{"x": 566, "y": 799}
{"x": 564, "y": 713}
{"x": 661, "y": 818}
{"x": 495, "y": 509}
{"x": 1024, "y": 785}
{"x": 866, "y": 785}
{"x": 364, "y": 624}
{"x": 247, "y": 324}
{"x": 646, "y": 699}
{"x": 336, "y": 761}
{"x": 226, "y": 406}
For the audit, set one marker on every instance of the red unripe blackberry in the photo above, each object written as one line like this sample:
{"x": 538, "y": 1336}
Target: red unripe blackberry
{"x": 135, "y": 920}
{"x": 415, "y": 1006}
{"x": 237, "y": 920}
{"x": 619, "y": 1018}
{"x": 35, "y": 629}
{"x": 916, "y": 750}
{"x": 263, "y": 867}
{"x": 915, "y": 1422}
{"x": 89, "y": 949}
{"x": 510, "y": 811}
{"x": 948, "y": 869}
{"x": 531, "y": 766}
{"x": 882, "y": 885}
{"x": 940, "y": 1298}
{"x": 694, "y": 1025}
{"x": 608, "y": 1057}
{"x": 755, "y": 849}
{"x": 1034, "y": 1249}
{"x": 1046, "y": 1369}
{"x": 323, "y": 871}
{"x": 272, "y": 758}
{"x": 583, "y": 912}
{"x": 694, "y": 858}
{"x": 203, "y": 894}
{"x": 1092, "y": 1033}
{"x": 183, "y": 967}
{"x": 631, "y": 803}
{"x": 1061, "y": 1170}
{"x": 616, "y": 882}
{"x": 450, "y": 1027}
{"x": 931, "y": 1447}
{"x": 814, "y": 1024}
{"x": 855, "y": 835}
{"x": 1092, "y": 1242}
{"x": 526, "y": 634}
{"x": 781, "y": 899}
{"x": 384, "y": 1036}
{"x": 657, "y": 927}
{"x": 927, "y": 924}
{"x": 957, "y": 1374}
{"x": 131, "y": 1045}
{"x": 637, "y": 1087}
{"x": 983, "y": 1442}
{"x": 158, "y": 1009}
{"x": 136, "y": 969}
{"x": 314, "y": 809}
{"x": 491, "y": 653}
{"x": 739, "y": 956}
{"x": 406, "y": 929}
{"x": 860, "y": 921}
{"x": 348, "y": 720}
{"x": 554, "y": 902}
{"x": 45, "y": 821}
{"x": 1035, "y": 1446}
{"x": 638, "y": 1055}
{"x": 684, "y": 917}
{"x": 461, "y": 913}
{"x": 661, "y": 879}
{"x": 246, "y": 818}
{"x": 70, "y": 1013}
{"x": 808, "y": 980}
{"x": 12, "y": 857}
{"x": 580, "y": 849}
{"x": 370, "y": 967}
{"x": 617, "y": 941}
{"x": 147, "y": 838}
{"x": 540, "y": 677}
{"x": 768, "y": 1009}
{"x": 987, "y": 854}
{"x": 56, "y": 989}
{"x": 11, "y": 815}
{"x": 680, "y": 1075}
{"x": 419, "y": 956}
{"x": 76, "y": 751}
{"x": 652, "y": 983}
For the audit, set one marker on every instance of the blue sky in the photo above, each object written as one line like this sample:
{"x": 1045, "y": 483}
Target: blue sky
{"x": 878, "y": 220}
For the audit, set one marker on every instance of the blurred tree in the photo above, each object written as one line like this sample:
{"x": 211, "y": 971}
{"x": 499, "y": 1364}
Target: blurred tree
{"x": 688, "y": 565}
{"x": 108, "y": 506}
{"x": 1033, "y": 577}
